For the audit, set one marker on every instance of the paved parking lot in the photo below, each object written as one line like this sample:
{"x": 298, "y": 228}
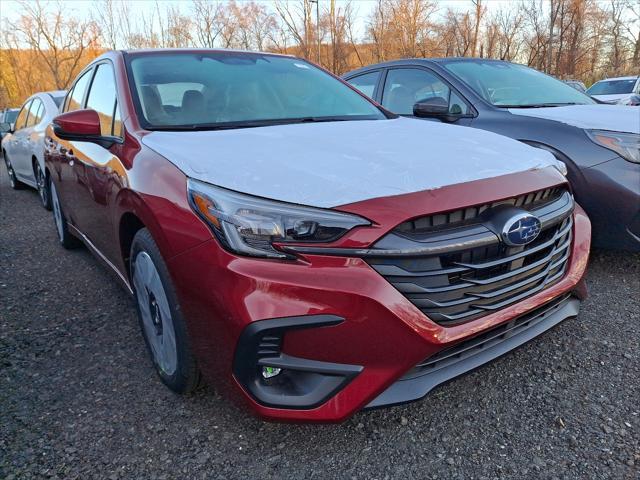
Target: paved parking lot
{"x": 79, "y": 398}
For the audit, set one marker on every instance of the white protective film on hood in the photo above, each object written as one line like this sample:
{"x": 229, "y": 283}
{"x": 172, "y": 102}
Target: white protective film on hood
{"x": 616, "y": 118}
{"x": 336, "y": 163}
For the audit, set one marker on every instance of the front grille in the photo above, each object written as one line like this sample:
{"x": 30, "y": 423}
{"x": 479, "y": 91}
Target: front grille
{"x": 468, "y": 348}
{"x": 455, "y": 218}
{"x": 461, "y": 270}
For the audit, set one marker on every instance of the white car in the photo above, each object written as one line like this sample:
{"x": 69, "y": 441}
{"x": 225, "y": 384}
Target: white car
{"x": 612, "y": 90}
{"x": 23, "y": 145}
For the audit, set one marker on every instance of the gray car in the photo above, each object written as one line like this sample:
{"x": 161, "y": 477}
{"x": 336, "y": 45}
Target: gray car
{"x": 600, "y": 144}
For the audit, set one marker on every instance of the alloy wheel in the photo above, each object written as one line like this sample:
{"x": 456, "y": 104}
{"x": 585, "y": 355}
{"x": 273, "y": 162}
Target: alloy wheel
{"x": 41, "y": 182}
{"x": 12, "y": 175}
{"x": 155, "y": 313}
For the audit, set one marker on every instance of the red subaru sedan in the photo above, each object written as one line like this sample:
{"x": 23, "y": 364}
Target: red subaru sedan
{"x": 297, "y": 245}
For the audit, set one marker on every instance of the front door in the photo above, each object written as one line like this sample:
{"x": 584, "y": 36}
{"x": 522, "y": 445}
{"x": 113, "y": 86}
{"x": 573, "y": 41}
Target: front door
{"x": 97, "y": 169}
{"x": 64, "y": 175}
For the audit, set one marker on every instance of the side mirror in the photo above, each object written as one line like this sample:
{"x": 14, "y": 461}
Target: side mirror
{"x": 81, "y": 125}
{"x": 434, "y": 107}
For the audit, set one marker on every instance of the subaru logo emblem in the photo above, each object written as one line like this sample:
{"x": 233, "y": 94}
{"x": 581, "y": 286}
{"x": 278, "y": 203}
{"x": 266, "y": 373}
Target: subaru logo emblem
{"x": 521, "y": 229}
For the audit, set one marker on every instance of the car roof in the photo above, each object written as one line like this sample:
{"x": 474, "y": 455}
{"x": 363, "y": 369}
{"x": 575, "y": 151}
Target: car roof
{"x": 427, "y": 61}
{"x": 51, "y": 93}
{"x": 150, "y": 51}
{"x": 56, "y": 93}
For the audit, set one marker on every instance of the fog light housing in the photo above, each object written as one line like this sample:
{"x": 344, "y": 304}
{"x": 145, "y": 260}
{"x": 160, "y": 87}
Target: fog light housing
{"x": 275, "y": 379}
{"x": 270, "y": 372}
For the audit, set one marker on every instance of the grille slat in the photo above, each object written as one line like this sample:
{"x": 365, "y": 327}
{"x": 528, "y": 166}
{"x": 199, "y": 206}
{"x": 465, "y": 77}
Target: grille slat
{"x": 485, "y": 340}
{"x": 406, "y": 287}
{"x": 469, "y": 280}
{"x": 524, "y": 253}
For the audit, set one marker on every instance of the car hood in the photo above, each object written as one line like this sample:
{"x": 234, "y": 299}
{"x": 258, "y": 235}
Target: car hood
{"x": 617, "y": 118}
{"x": 336, "y": 163}
{"x": 612, "y": 98}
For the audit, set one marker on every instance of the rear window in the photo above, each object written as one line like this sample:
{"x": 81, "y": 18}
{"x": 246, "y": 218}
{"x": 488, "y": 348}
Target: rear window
{"x": 173, "y": 93}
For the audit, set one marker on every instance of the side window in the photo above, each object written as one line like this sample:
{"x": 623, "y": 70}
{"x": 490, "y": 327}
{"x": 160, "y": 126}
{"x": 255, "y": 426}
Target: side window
{"x": 117, "y": 122}
{"x": 67, "y": 99}
{"x": 35, "y": 112}
{"x": 457, "y": 106}
{"x": 366, "y": 83}
{"x": 102, "y": 97}
{"x": 77, "y": 95}
{"x": 21, "y": 120}
{"x": 406, "y": 86}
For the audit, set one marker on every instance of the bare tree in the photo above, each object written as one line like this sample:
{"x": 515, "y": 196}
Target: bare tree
{"x": 632, "y": 28}
{"x": 58, "y": 39}
{"x": 296, "y": 18}
{"x": 255, "y": 25}
{"x": 618, "y": 41}
{"x": 107, "y": 16}
{"x": 478, "y": 13}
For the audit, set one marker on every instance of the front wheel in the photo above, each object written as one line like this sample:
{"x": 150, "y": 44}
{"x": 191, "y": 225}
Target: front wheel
{"x": 67, "y": 240}
{"x": 160, "y": 316}
{"x": 43, "y": 187}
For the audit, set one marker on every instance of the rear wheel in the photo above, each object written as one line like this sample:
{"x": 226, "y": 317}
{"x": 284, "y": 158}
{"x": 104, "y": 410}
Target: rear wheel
{"x": 160, "y": 316}
{"x": 67, "y": 240}
{"x": 13, "y": 180}
{"x": 43, "y": 186}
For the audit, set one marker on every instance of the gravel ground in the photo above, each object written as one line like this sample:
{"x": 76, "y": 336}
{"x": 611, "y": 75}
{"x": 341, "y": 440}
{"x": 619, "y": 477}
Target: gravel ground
{"x": 79, "y": 398}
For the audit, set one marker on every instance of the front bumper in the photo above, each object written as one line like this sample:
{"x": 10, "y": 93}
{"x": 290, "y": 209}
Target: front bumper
{"x": 467, "y": 355}
{"x": 612, "y": 200}
{"x": 380, "y": 337}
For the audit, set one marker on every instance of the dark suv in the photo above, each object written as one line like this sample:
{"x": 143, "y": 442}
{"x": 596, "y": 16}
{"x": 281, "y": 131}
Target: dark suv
{"x": 600, "y": 144}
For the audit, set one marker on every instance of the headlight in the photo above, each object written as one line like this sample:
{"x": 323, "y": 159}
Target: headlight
{"x": 250, "y": 225}
{"x": 627, "y": 145}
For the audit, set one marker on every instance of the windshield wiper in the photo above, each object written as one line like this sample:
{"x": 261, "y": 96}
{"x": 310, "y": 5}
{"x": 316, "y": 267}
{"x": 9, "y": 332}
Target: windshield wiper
{"x": 541, "y": 105}
{"x": 252, "y": 124}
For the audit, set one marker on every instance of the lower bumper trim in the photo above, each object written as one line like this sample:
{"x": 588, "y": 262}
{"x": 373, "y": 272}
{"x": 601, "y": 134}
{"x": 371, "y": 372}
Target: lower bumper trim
{"x": 475, "y": 352}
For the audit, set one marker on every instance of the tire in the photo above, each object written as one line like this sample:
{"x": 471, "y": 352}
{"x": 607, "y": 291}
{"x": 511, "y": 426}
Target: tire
{"x": 160, "y": 316}
{"x": 13, "y": 180}
{"x": 44, "y": 187}
{"x": 67, "y": 240}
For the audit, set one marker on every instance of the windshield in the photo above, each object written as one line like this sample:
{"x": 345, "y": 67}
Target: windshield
{"x": 211, "y": 90}
{"x": 10, "y": 116}
{"x": 511, "y": 85}
{"x": 612, "y": 87}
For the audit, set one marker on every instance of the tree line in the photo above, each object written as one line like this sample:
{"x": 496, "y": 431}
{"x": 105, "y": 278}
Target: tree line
{"x": 48, "y": 43}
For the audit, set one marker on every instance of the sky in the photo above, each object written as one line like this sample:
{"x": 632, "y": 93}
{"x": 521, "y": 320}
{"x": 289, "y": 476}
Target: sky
{"x": 11, "y": 8}
{"x": 85, "y": 8}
